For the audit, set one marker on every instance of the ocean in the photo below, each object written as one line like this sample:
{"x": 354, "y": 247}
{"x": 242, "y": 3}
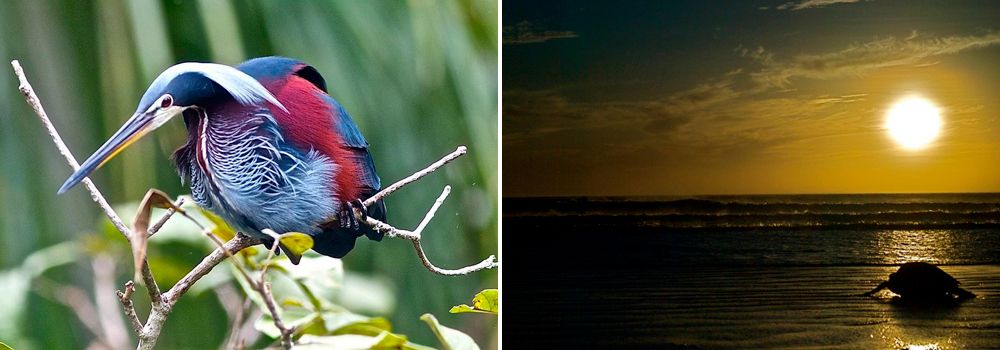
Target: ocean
{"x": 768, "y": 272}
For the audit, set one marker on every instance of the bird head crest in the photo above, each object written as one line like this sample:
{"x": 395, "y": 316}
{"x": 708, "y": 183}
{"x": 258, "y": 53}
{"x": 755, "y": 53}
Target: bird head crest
{"x": 192, "y": 82}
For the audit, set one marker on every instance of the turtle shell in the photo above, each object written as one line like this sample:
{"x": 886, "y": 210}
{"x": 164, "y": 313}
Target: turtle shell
{"x": 921, "y": 280}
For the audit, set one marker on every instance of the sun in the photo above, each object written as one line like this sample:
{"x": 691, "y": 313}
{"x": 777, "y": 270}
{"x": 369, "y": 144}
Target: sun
{"x": 913, "y": 122}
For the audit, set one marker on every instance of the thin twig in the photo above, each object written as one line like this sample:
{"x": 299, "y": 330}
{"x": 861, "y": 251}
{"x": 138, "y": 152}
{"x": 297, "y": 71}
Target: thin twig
{"x": 36, "y": 104}
{"x": 488, "y": 263}
{"x": 260, "y": 286}
{"x": 270, "y": 252}
{"x": 158, "y": 313}
{"x": 416, "y": 235}
{"x": 264, "y": 288}
{"x": 430, "y": 213}
{"x": 389, "y": 230}
{"x": 460, "y": 151}
{"x": 155, "y": 296}
{"x": 286, "y": 333}
{"x": 166, "y": 216}
{"x": 238, "y": 243}
{"x": 126, "y": 299}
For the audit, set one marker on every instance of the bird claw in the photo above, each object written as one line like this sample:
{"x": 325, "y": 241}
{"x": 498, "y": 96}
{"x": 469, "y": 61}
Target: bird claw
{"x": 360, "y": 206}
{"x": 347, "y": 218}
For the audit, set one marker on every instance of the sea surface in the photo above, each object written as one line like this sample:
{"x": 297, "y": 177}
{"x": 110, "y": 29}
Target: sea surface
{"x": 765, "y": 272}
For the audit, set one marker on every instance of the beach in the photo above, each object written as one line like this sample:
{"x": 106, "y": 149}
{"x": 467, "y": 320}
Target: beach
{"x": 747, "y": 308}
{"x": 748, "y": 273}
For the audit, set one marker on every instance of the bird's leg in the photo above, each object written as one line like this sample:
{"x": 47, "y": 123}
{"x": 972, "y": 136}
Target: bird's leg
{"x": 360, "y": 206}
{"x": 347, "y": 218}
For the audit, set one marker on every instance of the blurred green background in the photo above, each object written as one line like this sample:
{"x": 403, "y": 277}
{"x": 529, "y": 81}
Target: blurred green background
{"x": 419, "y": 77}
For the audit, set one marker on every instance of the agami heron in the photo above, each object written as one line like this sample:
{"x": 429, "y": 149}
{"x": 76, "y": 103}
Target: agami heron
{"x": 267, "y": 147}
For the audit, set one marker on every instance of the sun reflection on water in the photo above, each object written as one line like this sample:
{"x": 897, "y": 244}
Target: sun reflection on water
{"x": 901, "y": 246}
{"x": 933, "y": 346}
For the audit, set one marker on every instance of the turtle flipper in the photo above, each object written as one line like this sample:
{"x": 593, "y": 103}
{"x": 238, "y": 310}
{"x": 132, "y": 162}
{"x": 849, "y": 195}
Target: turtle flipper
{"x": 963, "y": 294}
{"x": 880, "y": 287}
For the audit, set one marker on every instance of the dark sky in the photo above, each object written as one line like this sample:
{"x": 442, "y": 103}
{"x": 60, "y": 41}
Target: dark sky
{"x": 739, "y": 97}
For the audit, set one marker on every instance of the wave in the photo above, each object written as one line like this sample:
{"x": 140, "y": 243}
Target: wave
{"x": 749, "y": 212}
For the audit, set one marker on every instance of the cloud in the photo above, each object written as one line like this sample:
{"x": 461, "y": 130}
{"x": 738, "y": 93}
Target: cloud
{"x": 742, "y": 113}
{"x": 858, "y": 59}
{"x": 527, "y": 33}
{"x": 541, "y": 113}
{"x": 806, "y": 4}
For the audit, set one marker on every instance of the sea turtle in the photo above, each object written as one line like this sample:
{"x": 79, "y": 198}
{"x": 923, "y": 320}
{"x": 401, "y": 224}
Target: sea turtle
{"x": 921, "y": 281}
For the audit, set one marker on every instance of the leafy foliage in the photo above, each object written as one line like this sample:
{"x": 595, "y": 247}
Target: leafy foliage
{"x": 450, "y": 339}
{"x": 296, "y": 242}
{"x": 486, "y": 302}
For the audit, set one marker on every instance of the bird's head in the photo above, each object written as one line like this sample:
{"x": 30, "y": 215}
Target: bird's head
{"x": 179, "y": 88}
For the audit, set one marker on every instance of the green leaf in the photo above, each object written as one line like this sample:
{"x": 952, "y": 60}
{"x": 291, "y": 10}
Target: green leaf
{"x": 296, "y": 242}
{"x": 389, "y": 340}
{"x": 5, "y": 346}
{"x": 458, "y": 309}
{"x": 221, "y": 229}
{"x": 335, "y": 320}
{"x": 383, "y": 341}
{"x": 451, "y": 339}
{"x": 372, "y": 327}
{"x": 486, "y": 302}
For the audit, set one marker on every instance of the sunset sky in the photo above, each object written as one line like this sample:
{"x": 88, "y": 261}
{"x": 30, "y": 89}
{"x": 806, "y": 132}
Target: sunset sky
{"x": 741, "y": 97}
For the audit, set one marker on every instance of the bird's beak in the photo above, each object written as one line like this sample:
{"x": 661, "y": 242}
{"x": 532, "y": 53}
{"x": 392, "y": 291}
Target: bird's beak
{"x": 135, "y": 128}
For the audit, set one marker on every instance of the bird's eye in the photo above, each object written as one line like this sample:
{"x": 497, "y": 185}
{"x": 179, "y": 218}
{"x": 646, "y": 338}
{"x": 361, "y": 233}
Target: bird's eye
{"x": 166, "y": 101}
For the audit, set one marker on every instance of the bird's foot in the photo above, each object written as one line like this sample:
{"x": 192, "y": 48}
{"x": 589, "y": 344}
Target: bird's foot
{"x": 360, "y": 206}
{"x": 347, "y": 218}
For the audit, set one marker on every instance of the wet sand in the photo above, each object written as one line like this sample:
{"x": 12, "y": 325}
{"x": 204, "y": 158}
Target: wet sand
{"x": 778, "y": 307}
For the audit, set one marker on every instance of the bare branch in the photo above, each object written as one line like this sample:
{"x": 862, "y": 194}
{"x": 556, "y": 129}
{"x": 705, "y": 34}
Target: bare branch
{"x": 166, "y": 216}
{"x": 264, "y": 289}
{"x": 36, "y": 104}
{"x": 238, "y": 243}
{"x": 434, "y": 208}
{"x": 286, "y": 333}
{"x": 126, "y": 299}
{"x": 415, "y": 237}
{"x": 389, "y": 230}
{"x": 158, "y": 315}
{"x": 155, "y": 295}
{"x": 460, "y": 151}
{"x": 270, "y": 252}
{"x": 488, "y": 263}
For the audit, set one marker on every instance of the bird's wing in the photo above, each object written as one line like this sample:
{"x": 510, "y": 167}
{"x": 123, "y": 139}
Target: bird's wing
{"x": 370, "y": 183}
{"x": 353, "y": 139}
